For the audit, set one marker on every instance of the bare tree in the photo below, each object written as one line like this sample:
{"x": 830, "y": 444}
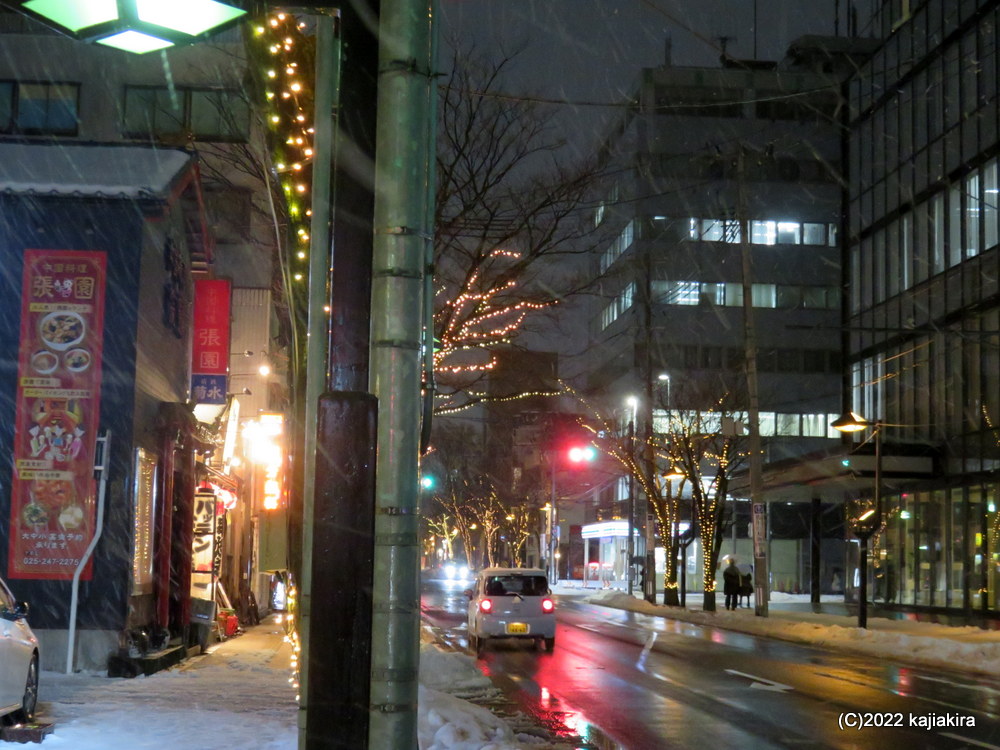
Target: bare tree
{"x": 520, "y": 522}
{"x": 509, "y": 206}
{"x": 458, "y": 501}
{"x": 706, "y": 446}
{"x": 693, "y": 456}
{"x": 443, "y": 526}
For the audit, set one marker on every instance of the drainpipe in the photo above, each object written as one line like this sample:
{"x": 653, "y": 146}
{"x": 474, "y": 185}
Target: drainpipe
{"x": 101, "y": 469}
{"x": 401, "y": 166}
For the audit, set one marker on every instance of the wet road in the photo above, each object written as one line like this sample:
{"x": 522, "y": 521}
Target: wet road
{"x": 626, "y": 681}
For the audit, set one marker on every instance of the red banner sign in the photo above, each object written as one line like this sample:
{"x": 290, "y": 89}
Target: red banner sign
{"x": 210, "y": 347}
{"x": 57, "y": 410}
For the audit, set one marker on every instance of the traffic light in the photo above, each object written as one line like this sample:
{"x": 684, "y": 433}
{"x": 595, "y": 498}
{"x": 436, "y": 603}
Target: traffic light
{"x": 582, "y": 454}
{"x": 427, "y": 482}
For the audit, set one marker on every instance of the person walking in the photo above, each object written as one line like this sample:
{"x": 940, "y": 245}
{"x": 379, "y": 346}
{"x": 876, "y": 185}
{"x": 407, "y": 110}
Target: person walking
{"x": 731, "y": 584}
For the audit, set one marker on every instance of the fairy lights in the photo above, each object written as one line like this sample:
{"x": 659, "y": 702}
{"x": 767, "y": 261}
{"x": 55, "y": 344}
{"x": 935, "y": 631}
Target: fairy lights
{"x": 286, "y": 53}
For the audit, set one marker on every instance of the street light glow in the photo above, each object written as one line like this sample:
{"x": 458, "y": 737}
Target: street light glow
{"x": 850, "y": 422}
{"x": 581, "y": 453}
{"x": 137, "y": 26}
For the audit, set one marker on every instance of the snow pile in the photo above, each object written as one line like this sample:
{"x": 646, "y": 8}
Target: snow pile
{"x": 447, "y": 722}
{"x": 453, "y": 673}
{"x": 929, "y": 644}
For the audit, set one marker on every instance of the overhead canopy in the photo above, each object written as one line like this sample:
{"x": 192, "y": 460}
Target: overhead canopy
{"x": 91, "y": 170}
{"x": 837, "y": 475}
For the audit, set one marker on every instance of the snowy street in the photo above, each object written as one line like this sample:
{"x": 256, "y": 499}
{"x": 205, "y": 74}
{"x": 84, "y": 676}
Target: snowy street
{"x": 240, "y": 695}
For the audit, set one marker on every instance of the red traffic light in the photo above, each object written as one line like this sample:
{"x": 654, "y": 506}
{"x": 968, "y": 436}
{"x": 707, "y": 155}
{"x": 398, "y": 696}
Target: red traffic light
{"x": 581, "y": 453}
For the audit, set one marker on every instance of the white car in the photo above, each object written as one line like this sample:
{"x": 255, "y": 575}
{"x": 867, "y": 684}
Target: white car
{"x": 18, "y": 660}
{"x": 511, "y": 603}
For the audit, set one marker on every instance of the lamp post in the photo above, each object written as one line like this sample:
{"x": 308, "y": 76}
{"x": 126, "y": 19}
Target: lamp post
{"x": 633, "y": 404}
{"x": 870, "y": 521}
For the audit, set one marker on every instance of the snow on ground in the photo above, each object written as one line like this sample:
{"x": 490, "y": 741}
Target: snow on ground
{"x": 920, "y": 643}
{"x": 241, "y": 696}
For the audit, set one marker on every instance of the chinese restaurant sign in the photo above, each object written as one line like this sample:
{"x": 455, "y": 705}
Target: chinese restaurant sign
{"x": 57, "y": 412}
{"x": 210, "y": 348}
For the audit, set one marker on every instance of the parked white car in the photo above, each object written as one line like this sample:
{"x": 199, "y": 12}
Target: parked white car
{"x": 18, "y": 660}
{"x": 511, "y": 603}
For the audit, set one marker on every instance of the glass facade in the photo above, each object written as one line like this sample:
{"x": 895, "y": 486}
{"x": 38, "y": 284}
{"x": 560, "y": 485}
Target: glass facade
{"x": 922, "y": 260}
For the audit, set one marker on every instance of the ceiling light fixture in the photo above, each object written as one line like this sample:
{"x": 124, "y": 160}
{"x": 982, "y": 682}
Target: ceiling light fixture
{"x": 137, "y": 26}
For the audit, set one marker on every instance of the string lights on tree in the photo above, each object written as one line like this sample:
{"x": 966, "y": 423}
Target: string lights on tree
{"x": 485, "y": 313}
{"x": 284, "y": 46}
{"x": 285, "y": 50}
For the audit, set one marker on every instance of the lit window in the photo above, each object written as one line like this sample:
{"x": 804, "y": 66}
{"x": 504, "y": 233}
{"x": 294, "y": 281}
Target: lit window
{"x": 787, "y": 425}
{"x": 789, "y": 233}
{"x": 813, "y": 234}
{"x": 764, "y": 295}
{"x": 763, "y": 232}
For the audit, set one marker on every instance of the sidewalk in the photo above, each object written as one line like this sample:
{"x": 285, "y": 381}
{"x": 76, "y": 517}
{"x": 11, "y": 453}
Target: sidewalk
{"x": 237, "y": 695}
{"x": 834, "y": 626}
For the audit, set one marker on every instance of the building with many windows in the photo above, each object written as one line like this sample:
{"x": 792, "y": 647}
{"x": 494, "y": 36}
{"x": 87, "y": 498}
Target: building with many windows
{"x": 724, "y": 172}
{"x": 923, "y": 310}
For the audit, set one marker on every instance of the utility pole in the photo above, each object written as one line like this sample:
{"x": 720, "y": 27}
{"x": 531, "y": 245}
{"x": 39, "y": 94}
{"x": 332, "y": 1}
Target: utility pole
{"x": 340, "y": 414}
{"x": 753, "y": 412}
{"x": 630, "y": 541}
{"x": 402, "y": 162}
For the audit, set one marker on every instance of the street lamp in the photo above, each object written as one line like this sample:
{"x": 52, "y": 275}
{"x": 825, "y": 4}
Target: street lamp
{"x": 870, "y": 521}
{"x": 137, "y": 26}
{"x": 633, "y": 404}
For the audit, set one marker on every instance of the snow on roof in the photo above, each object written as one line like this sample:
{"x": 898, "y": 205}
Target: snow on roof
{"x": 90, "y": 170}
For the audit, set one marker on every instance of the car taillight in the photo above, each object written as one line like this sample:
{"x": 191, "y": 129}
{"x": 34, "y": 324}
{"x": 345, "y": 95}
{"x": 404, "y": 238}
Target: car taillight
{"x": 548, "y": 606}
{"x": 486, "y": 606}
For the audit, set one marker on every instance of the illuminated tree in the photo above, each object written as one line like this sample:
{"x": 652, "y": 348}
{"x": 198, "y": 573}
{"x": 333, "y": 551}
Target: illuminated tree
{"x": 707, "y": 446}
{"x": 519, "y": 524}
{"x": 510, "y": 208}
{"x": 443, "y": 526}
{"x": 686, "y": 456}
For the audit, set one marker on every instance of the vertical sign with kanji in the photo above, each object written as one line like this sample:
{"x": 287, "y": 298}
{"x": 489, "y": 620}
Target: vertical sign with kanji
{"x": 57, "y": 407}
{"x": 210, "y": 346}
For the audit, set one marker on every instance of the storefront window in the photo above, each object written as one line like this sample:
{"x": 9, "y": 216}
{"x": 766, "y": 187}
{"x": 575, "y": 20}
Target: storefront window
{"x": 144, "y": 503}
{"x": 956, "y": 551}
{"x": 930, "y": 569}
{"x": 908, "y": 559}
{"x": 991, "y": 557}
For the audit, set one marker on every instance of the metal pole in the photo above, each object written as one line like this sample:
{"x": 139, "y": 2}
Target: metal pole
{"x": 863, "y": 588}
{"x": 630, "y": 540}
{"x": 327, "y": 86}
{"x": 750, "y": 349}
{"x": 815, "y": 549}
{"x": 553, "y": 568}
{"x": 401, "y": 166}
{"x": 101, "y": 469}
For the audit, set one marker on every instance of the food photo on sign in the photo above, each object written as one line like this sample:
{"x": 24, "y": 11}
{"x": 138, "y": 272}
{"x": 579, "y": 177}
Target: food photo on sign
{"x": 58, "y": 402}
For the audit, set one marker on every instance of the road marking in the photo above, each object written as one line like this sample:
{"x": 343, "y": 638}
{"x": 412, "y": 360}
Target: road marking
{"x": 981, "y": 688}
{"x": 977, "y": 743}
{"x": 646, "y": 649}
{"x": 761, "y": 683}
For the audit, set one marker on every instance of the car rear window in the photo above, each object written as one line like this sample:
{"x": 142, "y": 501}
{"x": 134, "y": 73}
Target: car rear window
{"x": 510, "y": 585}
